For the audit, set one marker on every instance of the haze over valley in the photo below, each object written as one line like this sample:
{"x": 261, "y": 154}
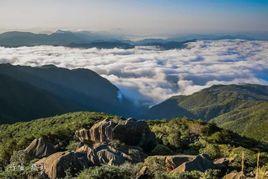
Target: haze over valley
{"x": 144, "y": 72}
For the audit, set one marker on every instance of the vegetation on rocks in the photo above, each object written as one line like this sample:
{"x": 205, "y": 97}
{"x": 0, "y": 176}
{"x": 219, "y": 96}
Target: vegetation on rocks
{"x": 18, "y": 136}
{"x": 178, "y": 141}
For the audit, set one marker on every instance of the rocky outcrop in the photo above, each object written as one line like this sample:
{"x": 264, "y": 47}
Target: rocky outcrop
{"x": 168, "y": 162}
{"x": 83, "y": 135}
{"x": 100, "y": 132}
{"x": 129, "y": 132}
{"x": 40, "y": 148}
{"x": 199, "y": 163}
{"x": 174, "y": 161}
{"x": 106, "y": 154}
{"x": 112, "y": 142}
{"x": 60, "y": 163}
{"x": 135, "y": 133}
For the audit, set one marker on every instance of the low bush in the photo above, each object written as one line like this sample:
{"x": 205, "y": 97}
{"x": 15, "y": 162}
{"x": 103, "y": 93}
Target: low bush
{"x": 108, "y": 172}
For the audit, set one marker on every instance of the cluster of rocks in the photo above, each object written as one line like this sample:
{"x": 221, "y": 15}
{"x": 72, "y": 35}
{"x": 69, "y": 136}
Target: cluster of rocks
{"x": 106, "y": 142}
{"x": 114, "y": 143}
{"x": 177, "y": 164}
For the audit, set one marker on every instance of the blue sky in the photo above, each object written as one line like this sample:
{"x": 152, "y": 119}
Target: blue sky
{"x": 136, "y": 16}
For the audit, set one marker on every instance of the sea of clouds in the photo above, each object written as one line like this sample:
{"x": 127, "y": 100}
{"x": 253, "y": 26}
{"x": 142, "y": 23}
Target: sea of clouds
{"x": 149, "y": 75}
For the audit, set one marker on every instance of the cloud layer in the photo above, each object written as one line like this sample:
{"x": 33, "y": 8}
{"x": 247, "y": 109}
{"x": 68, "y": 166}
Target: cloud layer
{"x": 149, "y": 75}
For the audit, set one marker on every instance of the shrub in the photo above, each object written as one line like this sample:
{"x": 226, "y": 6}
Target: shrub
{"x": 250, "y": 158}
{"x": 211, "y": 174}
{"x": 72, "y": 145}
{"x": 13, "y": 171}
{"x": 177, "y": 134}
{"x": 20, "y": 158}
{"x": 212, "y": 150}
{"x": 155, "y": 164}
{"x": 190, "y": 175}
{"x": 216, "y": 137}
{"x": 107, "y": 172}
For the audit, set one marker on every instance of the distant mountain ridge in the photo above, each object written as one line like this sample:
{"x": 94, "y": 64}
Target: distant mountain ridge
{"x": 210, "y": 102}
{"x": 82, "y": 39}
{"x": 87, "y": 39}
{"x": 57, "y": 91}
{"x": 59, "y": 38}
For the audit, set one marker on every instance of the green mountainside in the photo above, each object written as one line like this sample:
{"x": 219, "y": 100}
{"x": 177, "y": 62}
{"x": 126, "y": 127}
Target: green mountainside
{"x": 211, "y": 102}
{"x": 240, "y": 108}
{"x": 32, "y": 92}
{"x": 250, "y": 121}
{"x": 19, "y": 101}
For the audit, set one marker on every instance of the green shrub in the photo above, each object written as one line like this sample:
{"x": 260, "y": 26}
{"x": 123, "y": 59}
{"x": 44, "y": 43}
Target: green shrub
{"x": 212, "y": 150}
{"x": 250, "y": 158}
{"x": 72, "y": 146}
{"x": 211, "y": 174}
{"x": 20, "y": 157}
{"x": 190, "y": 175}
{"x": 13, "y": 171}
{"x": 107, "y": 172}
{"x": 216, "y": 137}
{"x": 177, "y": 134}
{"x": 155, "y": 164}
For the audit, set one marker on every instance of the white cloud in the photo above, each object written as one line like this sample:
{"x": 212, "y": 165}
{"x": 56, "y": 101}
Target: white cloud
{"x": 151, "y": 75}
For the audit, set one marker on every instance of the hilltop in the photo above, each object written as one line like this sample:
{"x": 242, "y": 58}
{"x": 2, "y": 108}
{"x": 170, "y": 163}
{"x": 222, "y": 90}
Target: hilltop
{"x": 239, "y": 108}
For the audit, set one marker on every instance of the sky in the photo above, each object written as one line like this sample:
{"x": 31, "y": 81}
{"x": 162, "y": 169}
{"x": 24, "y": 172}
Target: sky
{"x": 141, "y": 17}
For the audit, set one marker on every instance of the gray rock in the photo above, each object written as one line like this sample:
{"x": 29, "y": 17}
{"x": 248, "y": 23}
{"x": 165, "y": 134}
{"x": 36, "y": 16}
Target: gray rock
{"x": 106, "y": 154}
{"x": 60, "y": 163}
{"x": 40, "y": 148}
{"x": 129, "y": 132}
{"x": 199, "y": 163}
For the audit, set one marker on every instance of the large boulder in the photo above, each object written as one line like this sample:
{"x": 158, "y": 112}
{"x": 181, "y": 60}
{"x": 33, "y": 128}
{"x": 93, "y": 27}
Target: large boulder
{"x": 60, "y": 163}
{"x": 83, "y": 135}
{"x": 199, "y": 163}
{"x": 166, "y": 163}
{"x": 130, "y": 132}
{"x": 40, "y": 148}
{"x": 135, "y": 133}
{"x": 100, "y": 132}
{"x": 107, "y": 154}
